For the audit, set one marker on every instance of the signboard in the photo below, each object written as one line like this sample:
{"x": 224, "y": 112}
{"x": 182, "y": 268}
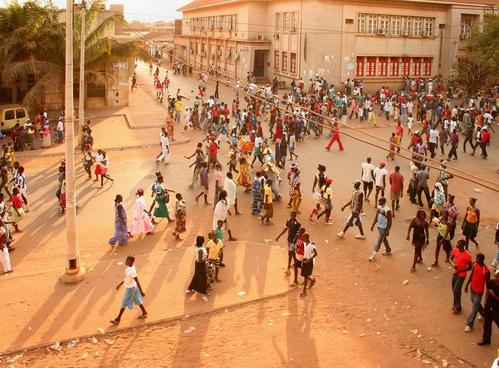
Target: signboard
{"x": 120, "y": 66}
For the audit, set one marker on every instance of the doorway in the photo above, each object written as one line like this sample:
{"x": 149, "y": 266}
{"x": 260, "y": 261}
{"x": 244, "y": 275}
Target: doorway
{"x": 259, "y": 65}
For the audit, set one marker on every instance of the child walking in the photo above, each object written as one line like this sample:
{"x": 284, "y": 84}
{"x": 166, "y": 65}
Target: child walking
{"x": 133, "y": 293}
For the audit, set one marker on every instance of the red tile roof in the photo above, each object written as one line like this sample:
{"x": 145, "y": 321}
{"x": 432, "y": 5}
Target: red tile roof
{"x": 206, "y": 3}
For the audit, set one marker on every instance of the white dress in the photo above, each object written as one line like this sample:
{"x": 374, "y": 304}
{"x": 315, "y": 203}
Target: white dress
{"x": 141, "y": 221}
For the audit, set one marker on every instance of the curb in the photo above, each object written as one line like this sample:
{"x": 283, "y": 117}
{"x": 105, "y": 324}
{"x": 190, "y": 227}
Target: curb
{"x": 146, "y": 324}
{"x": 111, "y": 149}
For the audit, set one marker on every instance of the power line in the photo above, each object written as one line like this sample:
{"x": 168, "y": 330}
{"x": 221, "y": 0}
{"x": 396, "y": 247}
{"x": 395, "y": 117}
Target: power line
{"x": 465, "y": 175}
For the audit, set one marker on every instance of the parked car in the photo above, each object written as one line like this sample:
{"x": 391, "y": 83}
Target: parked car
{"x": 10, "y": 115}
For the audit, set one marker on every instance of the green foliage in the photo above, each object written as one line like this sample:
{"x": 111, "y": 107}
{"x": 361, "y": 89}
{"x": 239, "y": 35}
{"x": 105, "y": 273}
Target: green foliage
{"x": 479, "y": 69}
{"x": 32, "y": 41}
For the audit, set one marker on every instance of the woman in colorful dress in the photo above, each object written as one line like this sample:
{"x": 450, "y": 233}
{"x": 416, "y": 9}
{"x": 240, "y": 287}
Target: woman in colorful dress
{"x": 120, "y": 223}
{"x": 162, "y": 198}
{"x": 438, "y": 201}
{"x": 180, "y": 214}
{"x": 243, "y": 177}
{"x": 141, "y": 221}
{"x": 471, "y": 222}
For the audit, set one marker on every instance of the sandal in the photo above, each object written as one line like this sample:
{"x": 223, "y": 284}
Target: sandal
{"x": 142, "y": 316}
{"x": 114, "y": 321}
{"x": 413, "y": 269}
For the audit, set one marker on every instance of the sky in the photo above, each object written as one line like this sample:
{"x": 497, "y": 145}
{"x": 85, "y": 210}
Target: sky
{"x": 144, "y": 10}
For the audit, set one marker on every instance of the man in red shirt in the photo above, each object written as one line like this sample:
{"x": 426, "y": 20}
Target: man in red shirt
{"x": 212, "y": 153}
{"x": 485, "y": 141}
{"x": 396, "y": 188}
{"x": 461, "y": 262}
{"x": 479, "y": 276}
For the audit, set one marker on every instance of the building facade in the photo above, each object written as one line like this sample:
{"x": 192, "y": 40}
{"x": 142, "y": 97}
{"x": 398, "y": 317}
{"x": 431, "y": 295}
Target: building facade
{"x": 379, "y": 42}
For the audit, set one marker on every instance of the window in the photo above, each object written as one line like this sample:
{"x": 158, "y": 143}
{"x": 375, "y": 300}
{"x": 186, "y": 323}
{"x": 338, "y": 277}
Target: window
{"x": 233, "y": 22}
{"x": 9, "y": 115}
{"x": 294, "y": 21}
{"x": 427, "y": 66}
{"x": 383, "y": 67}
{"x": 276, "y": 60}
{"x": 406, "y": 64}
{"x": 285, "y": 21}
{"x": 416, "y": 66}
{"x": 284, "y": 61}
{"x": 372, "y": 23}
{"x": 371, "y": 67}
{"x": 394, "y": 66}
{"x": 395, "y": 25}
{"x": 428, "y": 27}
{"x": 277, "y": 22}
{"x": 361, "y": 23}
{"x": 406, "y": 26}
{"x": 20, "y": 114}
{"x": 384, "y": 24}
{"x": 359, "y": 69}
{"x": 465, "y": 25}
{"x": 292, "y": 63}
{"x": 418, "y": 26}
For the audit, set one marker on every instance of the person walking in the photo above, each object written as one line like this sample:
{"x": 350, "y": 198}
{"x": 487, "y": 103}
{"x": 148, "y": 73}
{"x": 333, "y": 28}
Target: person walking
{"x": 454, "y": 142}
{"x": 4, "y": 249}
{"x": 120, "y": 223}
{"x": 257, "y": 194}
{"x": 141, "y": 221}
{"x": 356, "y": 203}
{"x": 268, "y": 205}
{"x": 422, "y": 177}
{"x": 231, "y": 188}
{"x": 204, "y": 182}
{"x": 164, "y": 142}
{"x": 162, "y": 198}
{"x": 461, "y": 263}
{"x": 221, "y": 213}
{"x": 471, "y": 222}
{"x": 291, "y": 227}
{"x": 443, "y": 239}
{"x": 380, "y": 173}
{"x": 133, "y": 291}
{"x": 491, "y": 309}
{"x": 307, "y": 267}
{"x": 479, "y": 277}
{"x": 180, "y": 215}
{"x": 420, "y": 237}
{"x": 396, "y": 188}
{"x": 335, "y": 137}
{"x": 367, "y": 178}
{"x": 327, "y": 195}
{"x": 199, "y": 282}
{"x": 383, "y": 221}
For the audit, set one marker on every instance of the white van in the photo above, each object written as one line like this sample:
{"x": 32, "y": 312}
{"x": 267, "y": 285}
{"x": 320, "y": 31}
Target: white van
{"x": 10, "y": 115}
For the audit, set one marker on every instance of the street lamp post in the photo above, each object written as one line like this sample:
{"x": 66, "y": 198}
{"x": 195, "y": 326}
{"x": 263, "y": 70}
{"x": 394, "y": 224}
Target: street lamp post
{"x": 81, "y": 109}
{"x": 74, "y": 273}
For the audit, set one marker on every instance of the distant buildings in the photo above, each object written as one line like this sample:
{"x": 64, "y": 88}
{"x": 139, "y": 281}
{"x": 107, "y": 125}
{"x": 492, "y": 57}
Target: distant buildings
{"x": 379, "y": 42}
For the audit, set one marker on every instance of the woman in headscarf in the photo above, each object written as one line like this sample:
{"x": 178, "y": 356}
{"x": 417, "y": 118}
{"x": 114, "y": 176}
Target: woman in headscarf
{"x": 162, "y": 198}
{"x": 199, "y": 282}
{"x": 438, "y": 201}
{"x": 120, "y": 223}
{"x": 141, "y": 221}
{"x": 180, "y": 214}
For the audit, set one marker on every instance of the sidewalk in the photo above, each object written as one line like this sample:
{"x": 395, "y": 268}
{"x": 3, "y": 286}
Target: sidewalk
{"x": 42, "y": 313}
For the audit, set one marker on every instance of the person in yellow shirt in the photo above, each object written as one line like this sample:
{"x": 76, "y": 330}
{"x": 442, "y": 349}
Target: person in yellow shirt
{"x": 215, "y": 253}
{"x": 267, "y": 203}
{"x": 179, "y": 106}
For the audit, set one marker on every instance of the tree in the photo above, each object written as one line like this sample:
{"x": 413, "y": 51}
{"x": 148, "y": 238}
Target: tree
{"x": 32, "y": 39}
{"x": 478, "y": 68}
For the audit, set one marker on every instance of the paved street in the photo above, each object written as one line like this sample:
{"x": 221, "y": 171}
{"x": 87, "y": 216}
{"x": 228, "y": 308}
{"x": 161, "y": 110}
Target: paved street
{"x": 350, "y": 289}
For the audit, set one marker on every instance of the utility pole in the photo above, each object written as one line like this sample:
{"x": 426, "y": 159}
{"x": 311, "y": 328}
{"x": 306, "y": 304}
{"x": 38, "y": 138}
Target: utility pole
{"x": 73, "y": 273}
{"x": 83, "y": 35}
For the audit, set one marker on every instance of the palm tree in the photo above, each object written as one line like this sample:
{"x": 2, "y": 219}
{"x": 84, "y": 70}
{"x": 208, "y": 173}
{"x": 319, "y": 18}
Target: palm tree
{"x": 38, "y": 33}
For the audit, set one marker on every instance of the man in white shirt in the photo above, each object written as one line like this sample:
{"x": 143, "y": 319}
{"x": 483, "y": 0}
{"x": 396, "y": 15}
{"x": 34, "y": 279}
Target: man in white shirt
{"x": 433, "y": 141}
{"x": 231, "y": 188}
{"x": 380, "y": 174}
{"x": 165, "y": 147}
{"x": 60, "y": 131}
{"x": 307, "y": 268}
{"x": 367, "y": 178}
